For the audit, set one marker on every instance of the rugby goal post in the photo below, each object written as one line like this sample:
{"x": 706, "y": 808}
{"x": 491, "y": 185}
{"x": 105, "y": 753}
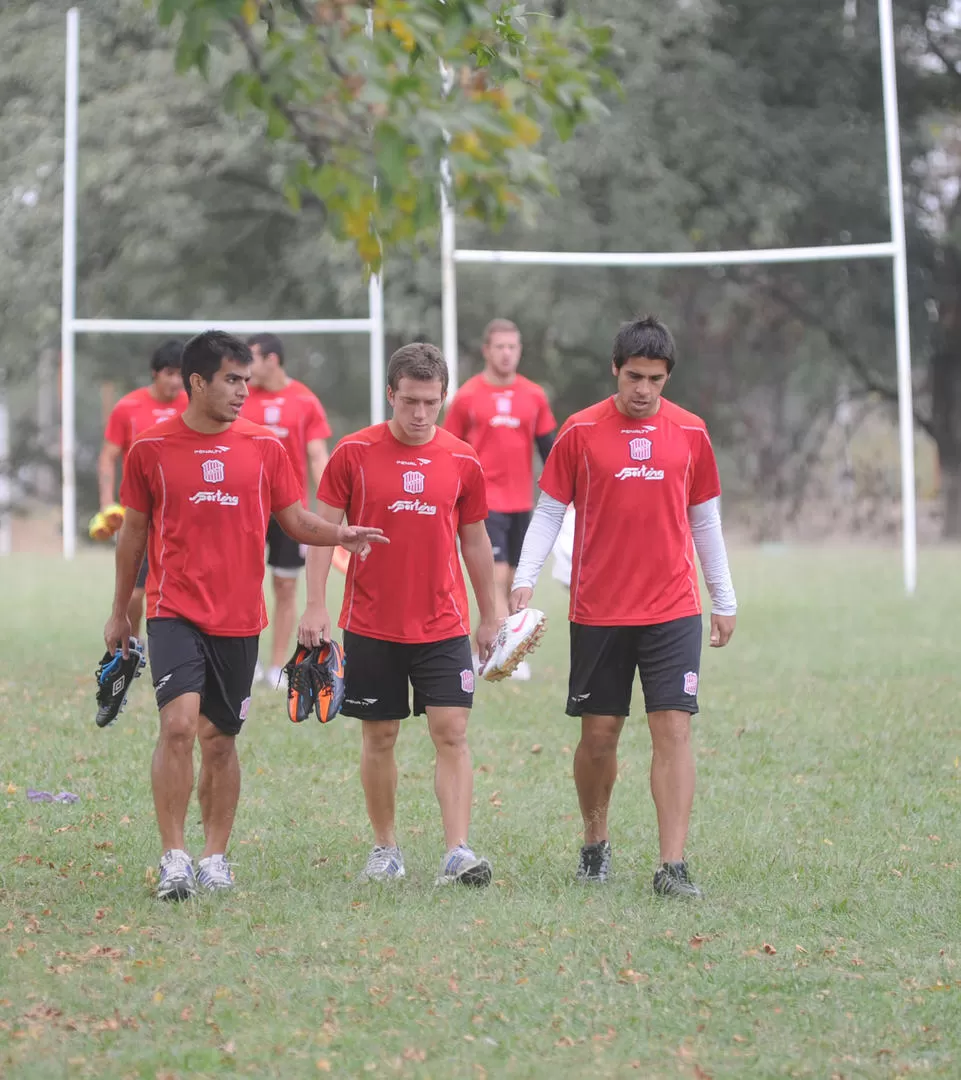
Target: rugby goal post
{"x": 894, "y": 249}
{"x": 71, "y": 326}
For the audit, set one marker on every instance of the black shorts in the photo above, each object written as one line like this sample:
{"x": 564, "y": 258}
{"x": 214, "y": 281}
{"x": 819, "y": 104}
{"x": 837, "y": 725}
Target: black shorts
{"x": 507, "y": 535}
{"x": 142, "y": 574}
{"x": 284, "y": 556}
{"x": 604, "y": 658}
{"x": 185, "y": 660}
{"x": 377, "y": 674}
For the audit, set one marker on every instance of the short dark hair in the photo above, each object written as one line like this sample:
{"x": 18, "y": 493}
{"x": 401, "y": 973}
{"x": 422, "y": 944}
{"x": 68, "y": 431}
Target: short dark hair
{"x": 647, "y": 337}
{"x": 203, "y": 354}
{"x": 268, "y": 343}
{"x": 418, "y": 360}
{"x": 167, "y": 355}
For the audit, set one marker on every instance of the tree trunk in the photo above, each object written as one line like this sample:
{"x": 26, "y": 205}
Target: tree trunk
{"x": 946, "y": 391}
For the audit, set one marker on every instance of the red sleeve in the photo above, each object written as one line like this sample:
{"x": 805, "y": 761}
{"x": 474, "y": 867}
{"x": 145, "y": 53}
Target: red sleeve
{"x": 335, "y": 484}
{"x": 545, "y": 422}
{"x": 457, "y": 419}
{"x": 705, "y": 482}
{"x": 472, "y": 504}
{"x": 317, "y": 426}
{"x": 560, "y": 469}
{"x": 284, "y": 485}
{"x": 117, "y": 430}
{"x": 135, "y": 491}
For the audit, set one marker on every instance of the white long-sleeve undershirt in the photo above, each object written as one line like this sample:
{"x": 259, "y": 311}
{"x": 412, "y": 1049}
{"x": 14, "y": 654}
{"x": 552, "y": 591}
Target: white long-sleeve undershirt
{"x": 705, "y": 522}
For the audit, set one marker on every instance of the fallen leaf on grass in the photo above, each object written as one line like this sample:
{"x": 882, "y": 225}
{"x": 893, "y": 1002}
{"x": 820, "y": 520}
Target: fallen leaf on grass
{"x": 629, "y": 976}
{"x": 769, "y": 949}
{"x": 699, "y": 1073}
{"x": 536, "y": 748}
{"x": 413, "y": 1054}
{"x": 323, "y": 1065}
{"x": 698, "y": 940}
{"x": 800, "y": 949}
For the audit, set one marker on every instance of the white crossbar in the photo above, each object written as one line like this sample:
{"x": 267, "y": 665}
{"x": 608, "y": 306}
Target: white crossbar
{"x": 655, "y": 259}
{"x": 231, "y": 326}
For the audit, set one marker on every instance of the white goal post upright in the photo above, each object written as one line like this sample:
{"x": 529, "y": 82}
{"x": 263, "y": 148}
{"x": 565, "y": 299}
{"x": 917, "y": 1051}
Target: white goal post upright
{"x": 893, "y": 249}
{"x": 70, "y": 325}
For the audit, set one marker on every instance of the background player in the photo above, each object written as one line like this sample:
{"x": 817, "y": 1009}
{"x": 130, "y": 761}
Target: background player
{"x": 405, "y": 615}
{"x": 503, "y": 415}
{"x": 295, "y": 415}
{"x": 201, "y": 488}
{"x": 134, "y": 413}
{"x": 642, "y": 476}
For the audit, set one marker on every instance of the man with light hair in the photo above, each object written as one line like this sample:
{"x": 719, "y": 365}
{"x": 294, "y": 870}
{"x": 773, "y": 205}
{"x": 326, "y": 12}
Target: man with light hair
{"x": 503, "y": 416}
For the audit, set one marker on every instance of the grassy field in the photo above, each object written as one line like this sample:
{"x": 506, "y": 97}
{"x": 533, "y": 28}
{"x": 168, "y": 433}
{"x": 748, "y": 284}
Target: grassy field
{"x": 825, "y": 835}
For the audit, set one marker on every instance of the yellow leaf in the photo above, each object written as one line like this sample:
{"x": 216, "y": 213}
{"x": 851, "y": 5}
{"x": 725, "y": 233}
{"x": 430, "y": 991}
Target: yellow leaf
{"x": 158, "y": 997}
{"x": 11, "y": 789}
{"x": 250, "y": 11}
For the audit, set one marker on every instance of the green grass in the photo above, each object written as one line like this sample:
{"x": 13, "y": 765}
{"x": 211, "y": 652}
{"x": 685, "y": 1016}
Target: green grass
{"x": 825, "y": 828}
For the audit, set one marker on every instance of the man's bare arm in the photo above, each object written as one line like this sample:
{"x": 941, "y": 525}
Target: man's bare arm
{"x": 475, "y": 547}
{"x": 317, "y": 458}
{"x": 131, "y": 547}
{"x": 315, "y": 622}
{"x": 307, "y": 528}
{"x": 107, "y": 472}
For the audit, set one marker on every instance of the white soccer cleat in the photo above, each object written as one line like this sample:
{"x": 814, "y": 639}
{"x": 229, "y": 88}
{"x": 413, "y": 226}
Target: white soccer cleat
{"x": 519, "y": 634}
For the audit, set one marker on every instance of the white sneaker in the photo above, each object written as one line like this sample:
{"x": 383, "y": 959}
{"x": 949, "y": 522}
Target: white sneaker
{"x": 518, "y": 635}
{"x": 275, "y": 678}
{"x": 461, "y": 866}
{"x": 177, "y": 880}
{"x": 214, "y": 873}
{"x": 384, "y": 864}
{"x": 522, "y": 673}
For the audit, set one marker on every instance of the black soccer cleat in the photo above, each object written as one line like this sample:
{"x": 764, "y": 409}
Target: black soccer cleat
{"x": 672, "y": 880}
{"x": 114, "y": 676}
{"x": 594, "y": 865}
{"x": 315, "y": 682}
{"x": 300, "y": 683}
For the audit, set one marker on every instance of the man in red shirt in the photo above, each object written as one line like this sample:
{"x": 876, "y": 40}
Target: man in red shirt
{"x": 134, "y": 413}
{"x": 405, "y": 615}
{"x": 642, "y": 476}
{"x": 295, "y": 415}
{"x": 200, "y": 488}
{"x": 503, "y": 415}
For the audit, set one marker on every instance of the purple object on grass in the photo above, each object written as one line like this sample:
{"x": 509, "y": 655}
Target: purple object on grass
{"x": 47, "y": 796}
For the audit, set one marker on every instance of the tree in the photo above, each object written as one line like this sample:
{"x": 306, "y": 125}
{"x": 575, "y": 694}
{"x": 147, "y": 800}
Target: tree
{"x": 375, "y": 96}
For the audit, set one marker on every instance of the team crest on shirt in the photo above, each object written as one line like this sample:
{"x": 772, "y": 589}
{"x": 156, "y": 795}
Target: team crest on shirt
{"x": 413, "y": 482}
{"x": 503, "y": 404}
{"x": 640, "y": 449}
{"x": 213, "y": 471}
{"x": 504, "y": 412}
{"x": 271, "y": 415}
{"x": 690, "y": 683}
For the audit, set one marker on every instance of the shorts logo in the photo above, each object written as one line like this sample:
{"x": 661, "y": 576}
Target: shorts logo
{"x": 213, "y": 471}
{"x": 117, "y": 686}
{"x": 690, "y": 683}
{"x": 413, "y": 482}
{"x": 164, "y": 680}
{"x": 467, "y": 681}
{"x": 244, "y": 708}
{"x": 640, "y": 449}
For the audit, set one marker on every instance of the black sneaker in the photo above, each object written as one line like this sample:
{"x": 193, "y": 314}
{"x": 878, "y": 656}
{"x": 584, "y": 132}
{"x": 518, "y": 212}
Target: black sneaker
{"x": 595, "y": 862}
{"x": 672, "y": 880}
{"x": 114, "y": 676}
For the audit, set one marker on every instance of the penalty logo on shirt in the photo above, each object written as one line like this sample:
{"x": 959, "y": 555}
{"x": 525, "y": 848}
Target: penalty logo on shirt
{"x": 213, "y": 471}
{"x": 640, "y": 449}
{"x": 413, "y": 482}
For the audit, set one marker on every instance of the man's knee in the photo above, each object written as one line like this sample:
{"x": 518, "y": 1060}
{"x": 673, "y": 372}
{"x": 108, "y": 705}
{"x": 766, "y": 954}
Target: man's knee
{"x": 215, "y": 745}
{"x": 380, "y": 735}
{"x": 178, "y": 724}
{"x": 600, "y": 735}
{"x": 285, "y": 589}
{"x": 670, "y": 730}
{"x": 448, "y": 729}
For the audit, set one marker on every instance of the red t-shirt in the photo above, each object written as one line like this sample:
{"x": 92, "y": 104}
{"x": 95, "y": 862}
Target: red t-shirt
{"x": 411, "y": 590}
{"x": 631, "y": 482}
{"x": 137, "y": 411}
{"x": 296, "y": 416}
{"x": 501, "y": 423}
{"x": 209, "y": 498}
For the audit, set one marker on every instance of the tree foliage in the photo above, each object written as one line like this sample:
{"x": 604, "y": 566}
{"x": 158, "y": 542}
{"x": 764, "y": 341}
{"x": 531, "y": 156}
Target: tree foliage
{"x": 375, "y": 96}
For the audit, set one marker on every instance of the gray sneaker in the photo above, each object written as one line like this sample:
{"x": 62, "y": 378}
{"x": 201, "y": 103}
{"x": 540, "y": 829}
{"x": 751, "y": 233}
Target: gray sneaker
{"x": 384, "y": 864}
{"x": 594, "y": 864}
{"x": 461, "y": 866}
{"x": 177, "y": 880}
{"x": 672, "y": 880}
{"x": 214, "y": 873}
